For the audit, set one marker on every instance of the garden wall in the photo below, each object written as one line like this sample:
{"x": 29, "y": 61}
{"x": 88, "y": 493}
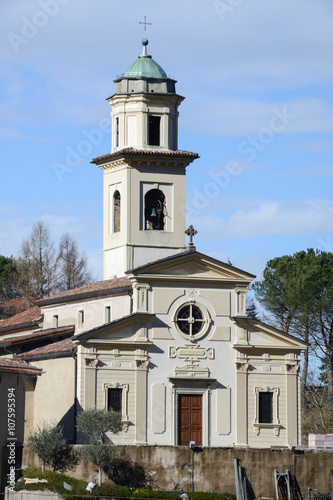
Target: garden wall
{"x": 214, "y": 467}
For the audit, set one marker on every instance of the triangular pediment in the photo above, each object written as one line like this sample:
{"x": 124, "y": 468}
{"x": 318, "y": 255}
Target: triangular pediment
{"x": 259, "y": 335}
{"x": 192, "y": 266}
{"x": 130, "y": 329}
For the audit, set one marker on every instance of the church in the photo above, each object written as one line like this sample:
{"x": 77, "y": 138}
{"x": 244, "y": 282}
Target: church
{"x": 164, "y": 338}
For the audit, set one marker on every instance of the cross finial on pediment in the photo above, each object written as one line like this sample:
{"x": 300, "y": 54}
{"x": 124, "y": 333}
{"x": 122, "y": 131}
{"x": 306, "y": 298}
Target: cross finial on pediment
{"x": 191, "y": 232}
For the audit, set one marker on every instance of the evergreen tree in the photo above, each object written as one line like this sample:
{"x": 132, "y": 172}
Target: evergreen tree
{"x": 251, "y": 310}
{"x": 298, "y": 293}
{"x": 8, "y": 278}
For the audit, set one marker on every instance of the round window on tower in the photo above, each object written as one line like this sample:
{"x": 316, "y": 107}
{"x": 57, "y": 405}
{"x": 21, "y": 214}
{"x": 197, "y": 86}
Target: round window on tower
{"x": 191, "y": 320}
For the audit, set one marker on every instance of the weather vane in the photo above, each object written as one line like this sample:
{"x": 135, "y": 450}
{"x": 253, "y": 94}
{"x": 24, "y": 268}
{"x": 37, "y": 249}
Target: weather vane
{"x": 145, "y": 23}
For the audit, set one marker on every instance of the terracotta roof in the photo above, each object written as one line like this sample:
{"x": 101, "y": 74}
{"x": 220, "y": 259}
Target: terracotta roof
{"x": 96, "y": 288}
{"x": 39, "y": 335}
{"x": 21, "y": 303}
{"x": 62, "y": 346}
{"x": 146, "y": 152}
{"x": 30, "y": 317}
{"x": 18, "y": 366}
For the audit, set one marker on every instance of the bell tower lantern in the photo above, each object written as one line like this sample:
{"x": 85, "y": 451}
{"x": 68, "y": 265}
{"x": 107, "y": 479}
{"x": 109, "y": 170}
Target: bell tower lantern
{"x": 145, "y": 107}
{"x": 144, "y": 175}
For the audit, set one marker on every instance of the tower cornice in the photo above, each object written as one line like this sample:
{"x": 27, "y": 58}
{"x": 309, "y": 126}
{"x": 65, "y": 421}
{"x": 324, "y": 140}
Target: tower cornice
{"x": 128, "y": 155}
{"x": 148, "y": 96}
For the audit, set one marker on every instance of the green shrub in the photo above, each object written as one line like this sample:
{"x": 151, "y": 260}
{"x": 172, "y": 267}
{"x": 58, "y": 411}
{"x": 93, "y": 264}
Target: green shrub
{"x": 144, "y": 493}
{"x": 55, "y": 482}
{"x": 50, "y": 445}
{"x": 202, "y": 495}
{"x": 112, "y": 490}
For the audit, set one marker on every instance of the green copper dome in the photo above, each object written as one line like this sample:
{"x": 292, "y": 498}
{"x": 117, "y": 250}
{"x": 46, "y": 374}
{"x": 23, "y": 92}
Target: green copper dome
{"x": 145, "y": 66}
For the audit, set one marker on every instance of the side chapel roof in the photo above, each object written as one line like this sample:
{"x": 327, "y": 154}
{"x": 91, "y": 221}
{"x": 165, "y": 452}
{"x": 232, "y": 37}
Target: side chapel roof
{"x": 37, "y": 335}
{"x": 18, "y": 366}
{"x": 28, "y": 318}
{"x": 64, "y": 346}
{"x": 116, "y": 285}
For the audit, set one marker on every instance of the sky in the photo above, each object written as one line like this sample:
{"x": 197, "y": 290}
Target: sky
{"x": 257, "y": 76}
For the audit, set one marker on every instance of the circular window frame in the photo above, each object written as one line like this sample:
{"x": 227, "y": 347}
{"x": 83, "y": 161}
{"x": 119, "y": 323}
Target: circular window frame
{"x": 206, "y": 321}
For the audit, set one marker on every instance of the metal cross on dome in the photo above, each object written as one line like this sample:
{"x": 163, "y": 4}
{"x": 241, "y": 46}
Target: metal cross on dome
{"x": 145, "y": 23}
{"x": 191, "y": 232}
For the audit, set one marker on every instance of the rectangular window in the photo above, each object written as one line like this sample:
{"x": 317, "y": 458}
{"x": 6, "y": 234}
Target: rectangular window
{"x": 107, "y": 314}
{"x": 265, "y": 407}
{"x": 55, "y": 321}
{"x": 114, "y": 401}
{"x": 81, "y": 318}
{"x": 154, "y": 127}
{"x": 117, "y": 132}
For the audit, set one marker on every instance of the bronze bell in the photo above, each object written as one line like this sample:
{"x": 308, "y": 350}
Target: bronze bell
{"x": 153, "y": 212}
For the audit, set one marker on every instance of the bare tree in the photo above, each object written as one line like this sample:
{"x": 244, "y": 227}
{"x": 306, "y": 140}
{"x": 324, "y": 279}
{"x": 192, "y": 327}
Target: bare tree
{"x": 72, "y": 267}
{"x": 37, "y": 263}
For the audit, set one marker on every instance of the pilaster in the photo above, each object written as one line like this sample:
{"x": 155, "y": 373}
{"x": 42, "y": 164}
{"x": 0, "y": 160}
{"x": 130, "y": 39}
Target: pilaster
{"x": 141, "y": 401}
{"x": 292, "y": 402}
{"x": 242, "y": 367}
{"x": 90, "y": 382}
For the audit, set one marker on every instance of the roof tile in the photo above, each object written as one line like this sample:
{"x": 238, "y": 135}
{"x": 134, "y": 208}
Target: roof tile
{"x": 62, "y": 346}
{"x": 39, "y": 335}
{"x": 30, "y": 317}
{"x": 21, "y": 303}
{"x": 18, "y": 366}
{"x": 96, "y": 287}
{"x": 147, "y": 152}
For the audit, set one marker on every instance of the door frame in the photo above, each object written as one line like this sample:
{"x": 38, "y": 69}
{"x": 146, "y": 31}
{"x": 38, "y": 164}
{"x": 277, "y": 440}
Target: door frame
{"x": 205, "y": 392}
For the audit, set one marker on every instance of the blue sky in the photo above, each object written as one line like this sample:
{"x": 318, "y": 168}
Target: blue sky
{"x": 257, "y": 77}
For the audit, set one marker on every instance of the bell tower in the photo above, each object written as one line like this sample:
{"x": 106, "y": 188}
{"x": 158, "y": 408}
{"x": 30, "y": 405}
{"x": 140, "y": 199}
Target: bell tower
{"x": 144, "y": 175}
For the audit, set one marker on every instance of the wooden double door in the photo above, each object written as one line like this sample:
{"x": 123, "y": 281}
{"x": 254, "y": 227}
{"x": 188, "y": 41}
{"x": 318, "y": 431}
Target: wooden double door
{"x": 189, "y": 419}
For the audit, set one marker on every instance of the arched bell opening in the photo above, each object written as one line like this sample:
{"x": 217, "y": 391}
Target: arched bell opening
{"x": 155, "y": 204}
{"x": 116, "y": 212}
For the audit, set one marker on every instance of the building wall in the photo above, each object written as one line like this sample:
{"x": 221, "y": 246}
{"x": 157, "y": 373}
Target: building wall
{"x": 94, "y": 312}
{"x": 207, "y": 366}
{"x": 132, "y": 246}
{"x": 217, "y": 357}
{"x": 115, "y": 373}
{"x": 54, "y": 395}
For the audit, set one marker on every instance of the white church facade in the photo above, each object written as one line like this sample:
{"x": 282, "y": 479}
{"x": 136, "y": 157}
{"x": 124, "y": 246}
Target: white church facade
{"x": 164, "y": 338}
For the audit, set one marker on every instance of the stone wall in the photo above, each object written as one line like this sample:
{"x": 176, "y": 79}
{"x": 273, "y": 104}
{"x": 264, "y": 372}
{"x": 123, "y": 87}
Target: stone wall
{"x": 32, "y": 495}
{"x": 214, "y": 468}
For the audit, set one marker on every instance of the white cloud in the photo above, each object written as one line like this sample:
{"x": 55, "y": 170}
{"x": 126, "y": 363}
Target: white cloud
{"x": 233, "y": 116}
{"x": 255, "y": 218}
